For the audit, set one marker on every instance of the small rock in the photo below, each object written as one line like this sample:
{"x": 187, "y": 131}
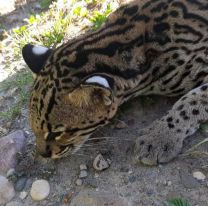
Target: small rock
{"x": 20, "y": 184}
{"x": 37, "y": 6}
{"x": 96, "y": 175}
{"x": 3, "y": 130}
{"x": 120, "y": 125}
{"x": 169, "y": 183}
{"x": 199, "y": 175}
{"x": 23, "y": 195}
{"x": 10, "y": 145}
{"x": 132, "y": 179}
{"x": 130, "y": 172}
{"x": 164, "y": 182}
{"x": 14, "y": 203}
{"x": 10, "y": 172}
{"x": 40, "y": 190}
{"x": 83, "y": 174}
{"x": 8, "y": 125}
{"x": 79, "y": 182}
{"x": 100, "y": 163}
{"x": 83, "y": 167}
{"x": 6, "y": 190}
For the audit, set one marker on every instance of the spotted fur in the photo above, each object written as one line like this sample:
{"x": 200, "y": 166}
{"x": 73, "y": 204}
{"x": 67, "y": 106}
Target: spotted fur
{"x": 145, "y": 47}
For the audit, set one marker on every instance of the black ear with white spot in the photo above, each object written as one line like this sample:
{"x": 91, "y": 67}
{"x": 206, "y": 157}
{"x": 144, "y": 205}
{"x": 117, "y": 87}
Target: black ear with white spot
{"x": 35, "y": 56}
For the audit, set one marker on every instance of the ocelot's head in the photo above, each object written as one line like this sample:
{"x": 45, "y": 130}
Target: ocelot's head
{"x": 64, "y": 108}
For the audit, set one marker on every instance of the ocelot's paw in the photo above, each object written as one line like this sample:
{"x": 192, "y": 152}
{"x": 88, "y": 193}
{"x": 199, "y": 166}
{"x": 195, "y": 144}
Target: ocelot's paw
{"x": 151, "y": 149}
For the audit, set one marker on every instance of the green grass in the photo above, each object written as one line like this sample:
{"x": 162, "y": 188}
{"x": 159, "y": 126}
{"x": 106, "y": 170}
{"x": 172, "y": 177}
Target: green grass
{"x": 20, "y": 81}
{"x": 176, "y": 202}
{"x": 49, "y": 28}
{"x": 45, "y": 4}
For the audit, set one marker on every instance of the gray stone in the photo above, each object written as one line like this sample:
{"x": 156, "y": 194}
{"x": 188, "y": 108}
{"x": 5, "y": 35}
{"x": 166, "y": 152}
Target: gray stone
{"x": 199, "y": 175}
{"x": 20, "y": 184}
{"x": 120, "y": 125}
{"x": 90, "y": 198}
{"x": 14, "y": 203}
{"x": 188, "y": 180}
{"x": 78, "y": 182}
{"x": 132, "y": 178}
{"x": 10, "y": 145}
{"x": 7, "y": 6}
{"x": 6, "y": 190}
{"x": 83, "y": 174}
{"x": 100, "y": 163}
{"x": 83, "y": 167}
{"x": 23, "y": 195}
{"x": 40, "y": 190}
{"x": 10, "y": 172}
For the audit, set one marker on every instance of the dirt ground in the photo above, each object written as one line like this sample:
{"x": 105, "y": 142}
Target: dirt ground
{"x": 137, "y": 184}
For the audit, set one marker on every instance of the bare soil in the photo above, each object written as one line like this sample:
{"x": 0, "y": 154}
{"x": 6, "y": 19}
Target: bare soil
{"x": 138, "y": 184}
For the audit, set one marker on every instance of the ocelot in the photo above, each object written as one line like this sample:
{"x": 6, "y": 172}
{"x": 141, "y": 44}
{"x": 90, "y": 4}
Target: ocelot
{"x": 145, "y": 47}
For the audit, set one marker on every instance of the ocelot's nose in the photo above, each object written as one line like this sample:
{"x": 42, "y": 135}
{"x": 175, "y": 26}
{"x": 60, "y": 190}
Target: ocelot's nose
{"x": 47, "y": 153}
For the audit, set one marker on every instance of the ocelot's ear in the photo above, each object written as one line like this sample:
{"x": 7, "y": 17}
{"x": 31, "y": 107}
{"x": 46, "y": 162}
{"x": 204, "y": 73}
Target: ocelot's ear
{"x": 35, "y": 56}
{"x": 94, "y": 90}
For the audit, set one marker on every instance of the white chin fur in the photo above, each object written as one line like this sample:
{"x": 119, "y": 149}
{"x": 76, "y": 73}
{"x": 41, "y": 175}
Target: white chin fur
{"x": 39, "y": 50}
{"x": 99, "y": 80}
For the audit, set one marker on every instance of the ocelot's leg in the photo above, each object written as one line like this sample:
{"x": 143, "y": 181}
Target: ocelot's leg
{"x": 163, "y": 139}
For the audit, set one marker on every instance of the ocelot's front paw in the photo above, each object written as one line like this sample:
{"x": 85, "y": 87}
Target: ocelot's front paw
{"x": 151, "y": 149}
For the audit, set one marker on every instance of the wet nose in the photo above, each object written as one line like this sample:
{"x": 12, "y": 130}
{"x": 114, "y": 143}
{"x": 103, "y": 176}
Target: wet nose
{"x": 47, "y": 153}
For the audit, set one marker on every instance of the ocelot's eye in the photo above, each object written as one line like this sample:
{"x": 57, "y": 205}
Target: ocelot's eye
{"x": 52, "y": 136}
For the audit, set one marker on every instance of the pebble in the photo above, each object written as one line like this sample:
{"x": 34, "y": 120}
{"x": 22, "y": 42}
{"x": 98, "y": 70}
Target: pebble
{"x": 37, "y": 6}
{"x": 3, "y": 130}
{"x": 23, "y": 195}
{"x": 100, "y": 163}
{"x": 10, "y": 145}
{"x": 83, "y": 167}
{"x": 120, "y": 125}
{"x": 20, "y": 184}
{"x": 96, "y": 175}
{"x": 40, "y": 190}
{"x": 14, "y": 203}
{"x": 130, "y": 172}
{"x": 199, "y": 175}
{"x": 132, "y": 179}
{"x": 83, "y": 174}
{"x": 6, "y": 190}
{"x": 79, "y": 182}
{"x": 169, "y": 183}
{"x": 10, "y": 172}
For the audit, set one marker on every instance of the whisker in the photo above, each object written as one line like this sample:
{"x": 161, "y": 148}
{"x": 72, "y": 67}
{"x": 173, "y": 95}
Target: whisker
{"x": 79, "y": 154}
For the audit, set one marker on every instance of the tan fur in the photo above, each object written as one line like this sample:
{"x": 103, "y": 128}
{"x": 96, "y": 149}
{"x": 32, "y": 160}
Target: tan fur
{"x": 146, "y": 47}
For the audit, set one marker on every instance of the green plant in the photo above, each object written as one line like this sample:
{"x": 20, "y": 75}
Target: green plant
{"x": 11, "y": 113}
{"x": 80, "y": 11}
{"x": 99, "y": 17}
{"x": 20, "y": 81}
{"x": 45, "y": 4}
{"x": 48, "y": 28}
{"x": 176, "y": 202}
